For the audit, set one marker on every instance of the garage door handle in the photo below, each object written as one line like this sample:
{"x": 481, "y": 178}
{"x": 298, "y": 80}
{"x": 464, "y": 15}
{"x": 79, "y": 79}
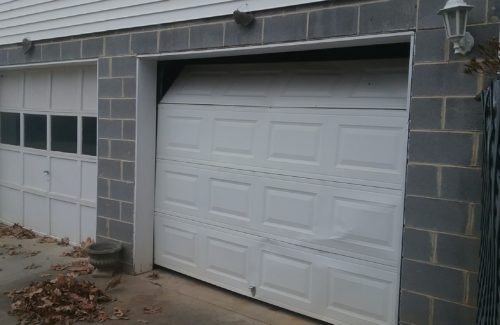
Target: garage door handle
{"x": 46, "y": 172}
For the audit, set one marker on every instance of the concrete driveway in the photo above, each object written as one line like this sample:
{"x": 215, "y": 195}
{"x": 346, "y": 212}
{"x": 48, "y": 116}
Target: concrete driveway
{"x": 183, "y": 299}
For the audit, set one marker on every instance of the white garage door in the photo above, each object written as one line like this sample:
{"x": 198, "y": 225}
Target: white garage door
{"x": 48, "y": 135}
{"x": 285, "y": 182}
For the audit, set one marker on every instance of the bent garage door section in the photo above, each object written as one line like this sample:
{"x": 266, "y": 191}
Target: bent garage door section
{"x": 48, "y": 135}
{"x": 285, "y": 182}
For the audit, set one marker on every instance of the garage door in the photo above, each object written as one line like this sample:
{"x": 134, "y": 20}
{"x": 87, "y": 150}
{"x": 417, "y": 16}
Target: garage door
{"x": 48, "y": 135}
{"x": 285, "y": 182}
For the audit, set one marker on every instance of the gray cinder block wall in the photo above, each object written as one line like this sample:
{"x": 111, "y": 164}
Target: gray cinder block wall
{"x": 442, "y": 212}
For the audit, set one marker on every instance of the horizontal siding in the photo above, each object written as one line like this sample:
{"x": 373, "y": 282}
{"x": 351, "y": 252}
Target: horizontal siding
{"x": 43, "y": 19}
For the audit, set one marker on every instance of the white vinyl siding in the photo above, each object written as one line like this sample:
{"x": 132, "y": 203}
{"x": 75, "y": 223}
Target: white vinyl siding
{"x": 43, "y": 19}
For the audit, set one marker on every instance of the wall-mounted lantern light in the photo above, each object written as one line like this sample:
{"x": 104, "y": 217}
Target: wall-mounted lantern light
{"x": 243, "y": 18}
{"x": 455, "y": 14}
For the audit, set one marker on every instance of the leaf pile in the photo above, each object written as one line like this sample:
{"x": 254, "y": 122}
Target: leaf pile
{"x": 79, "y": 267}
{"x": 63, "y": 300}
{"x": 50, "y": 240}
{"x": 16, "y": 231}
{"x": 79, "y": 251}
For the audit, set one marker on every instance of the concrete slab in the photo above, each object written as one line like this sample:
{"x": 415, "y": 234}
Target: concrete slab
{"x": 183, "y": 300}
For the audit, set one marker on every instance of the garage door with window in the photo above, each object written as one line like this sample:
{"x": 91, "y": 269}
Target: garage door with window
{"x": 285, "y": 182}
{"x": 48, "y": 137}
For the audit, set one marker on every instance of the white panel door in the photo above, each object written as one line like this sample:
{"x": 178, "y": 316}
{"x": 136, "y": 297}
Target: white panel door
{"x": 45, "y": 185}
{"x": 287, "y": 179}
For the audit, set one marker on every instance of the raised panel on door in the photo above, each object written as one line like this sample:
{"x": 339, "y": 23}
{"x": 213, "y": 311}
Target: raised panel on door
{"x": 65, "y": 220}
{"x": 66, "y": 95}
{"x": 89, "y": 98}
{"x": 64, "y": 177}
{"x": 10, "y": 167}
{"x": 36, "y": 172}
{"x": 346, "y": 219}
{"x": 339, "y": 145}
{"x": 88, "y": 219}
{"x": 11, "y": 205}
{"x": 36, "y": 213}
{"x": 88, "y": 181}
{"x": 37, "y": 87}
{"x": 11, "y": 89}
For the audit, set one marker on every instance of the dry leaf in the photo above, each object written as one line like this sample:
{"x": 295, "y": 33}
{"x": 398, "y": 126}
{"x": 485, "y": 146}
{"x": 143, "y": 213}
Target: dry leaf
{"x": 152, "y": 309}
{"x": 113, "y": 282}
{"x": 32, "y": 266}
{"x": 79, "y": 251}
{"x": 16, "y": 231}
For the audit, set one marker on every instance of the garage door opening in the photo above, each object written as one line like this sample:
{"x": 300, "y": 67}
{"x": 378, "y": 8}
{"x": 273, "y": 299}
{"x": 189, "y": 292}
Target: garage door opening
{"x": 282, "y": 178}
{"x": 48, "y": 139}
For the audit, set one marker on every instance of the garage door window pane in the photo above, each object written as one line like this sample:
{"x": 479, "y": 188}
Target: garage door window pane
{"x": 10, "y": 128}
{"x": 64, "y": 133}
{"x": 35, "y": 131}
{"x": 89, "y": 136}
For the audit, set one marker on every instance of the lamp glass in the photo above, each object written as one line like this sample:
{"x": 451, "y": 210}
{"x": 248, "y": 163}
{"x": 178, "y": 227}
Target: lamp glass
{"x": 455, "y": 21}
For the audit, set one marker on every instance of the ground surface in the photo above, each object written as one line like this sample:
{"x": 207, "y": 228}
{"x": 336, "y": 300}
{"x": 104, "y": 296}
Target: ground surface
{"x": 183, "y": 300}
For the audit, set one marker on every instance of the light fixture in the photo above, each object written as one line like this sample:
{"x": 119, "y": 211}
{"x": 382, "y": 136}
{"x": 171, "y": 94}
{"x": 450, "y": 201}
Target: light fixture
{"x": 455, "y": 14}
{"x": 243, "y": 18}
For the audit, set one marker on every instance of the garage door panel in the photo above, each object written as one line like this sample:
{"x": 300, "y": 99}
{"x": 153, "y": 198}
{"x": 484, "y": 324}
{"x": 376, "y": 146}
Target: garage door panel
{"x": 11, "y": 89}
{"x": 35, "y": 176}
{"x": 65, "y": 220}
{"x": 285, "y": 182}
{"x": 37, "y": 89}
{"x": 352, "y": 84}
{"x": 10, "y": 167}
{"x": 36, "y": 213}
{"x": 345, "y": 147}
{"x": 176, "y": 245}
{"x": 336, "y": 217}
{"x": 11, "y": 205}
{"x": 361, "y": 295}
{"x": 61, "y": 183}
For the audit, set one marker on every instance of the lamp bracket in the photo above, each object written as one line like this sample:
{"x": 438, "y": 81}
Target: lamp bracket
{"x": 464, "y": 44}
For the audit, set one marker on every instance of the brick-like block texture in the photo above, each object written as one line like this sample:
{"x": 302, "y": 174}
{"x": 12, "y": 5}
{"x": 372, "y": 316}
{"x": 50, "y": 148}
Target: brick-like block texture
{"x": 441, "y": 235}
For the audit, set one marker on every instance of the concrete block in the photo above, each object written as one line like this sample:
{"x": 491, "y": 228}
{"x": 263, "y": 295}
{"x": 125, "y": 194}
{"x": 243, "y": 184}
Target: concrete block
{"x": 110, "y": 129}
{"x": 121, "y": 231}
{"x": 108, "y": 208}
{"x": 71, "y": 50}
{"x": 387, "y": 16}
{"x": 207, "y": 36}
{"x": 51, "y": 52}
{"x": 333, "y": 22}
{"x": 417, "y": 245}
{"x": 123, "y": 108}
{"x": 104, "y": 67}
{"x": 93, "y": 47}
{"x": 123, "y": 66}
{"x": 430, "y": 45}
{"x": 143, "y": 43}
{"x": 102, "y": 226}
{"x": 123, "y": 191}
{"x": 461, "y": 184}
{"x": 128, "y": 131}
{"x": 443, "y": 80}
{"x": 463, "y": 114}
{"x": 441, "y": 148}
{"x": 458, "y": 251}
{"x": 127, "y": 212}
{"x": 110, "y": 88}
{"x": 421, "y": 180}
{"x": 128, "y": 171}
{"x": 425, "y": 113}
{"x": 129, "y": 87}
{"x": 121, "y": 149}
{"x": 108, "y": 168}
{"x": 237, "y": 35}
{"x": 172, "y": 40}
{"x": 436, "y": 214}
{"x": 414, "y": 308}
{"x": 451, "y": 313}
{"x": 433, "y": 280}
{"x": 285, "y": 28}
{"x": 117, "y": 45}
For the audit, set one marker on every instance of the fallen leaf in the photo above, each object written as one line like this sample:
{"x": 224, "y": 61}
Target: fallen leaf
{"x": 119, "y": 313}
{"x": 16, "y": 231}
{"x": 32, "y": 266}
{"x": 79, "y": 251}
{"x": 152, "y": 309}
{"x": 113, "y": 282}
